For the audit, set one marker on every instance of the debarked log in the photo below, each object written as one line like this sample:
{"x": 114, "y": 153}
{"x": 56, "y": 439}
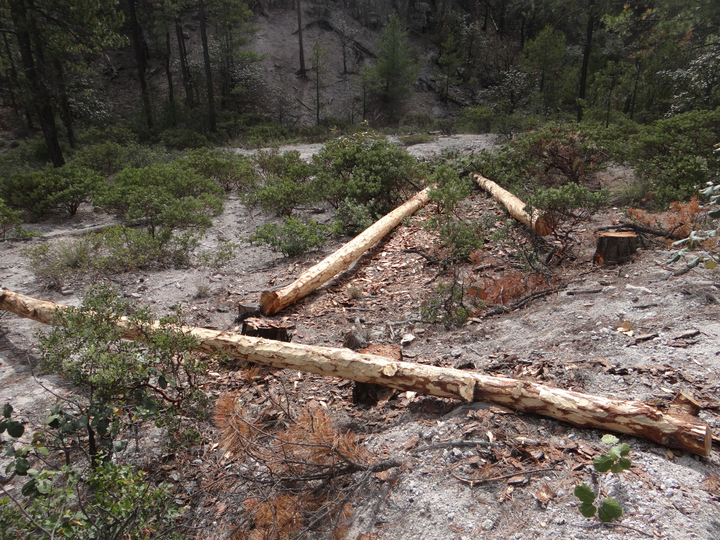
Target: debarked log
{"x": 670, "y": 427}
{"x": 273, "y": 301}
{"x": 516, "y": 208}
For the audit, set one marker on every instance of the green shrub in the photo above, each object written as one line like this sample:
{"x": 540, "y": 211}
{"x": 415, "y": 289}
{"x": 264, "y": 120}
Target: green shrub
{"x": 676, "y": 154}
{"x": 568, "y": 201}
{"x": 265, "y": 135}
{"x": 182, "y": 139}
{"x": 122, "y": 134}
{"x": 9, "y": 219}
{"x": 166, "y": 196}
{"x": 286, "y": 182}
{"x": 353, "y": 218}
{"x": 105, "y": 158}
{"x": 228, "y": 169}
{"x": 293, "y": 237}
{"x": 366, "y": 169}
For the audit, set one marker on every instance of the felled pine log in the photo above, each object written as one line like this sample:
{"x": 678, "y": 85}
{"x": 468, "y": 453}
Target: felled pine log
{"x": 273, "y": 301}
{"x": 516, "y": 208}
{"x": 671, "y": 427}
{"x": 615, "y": 247}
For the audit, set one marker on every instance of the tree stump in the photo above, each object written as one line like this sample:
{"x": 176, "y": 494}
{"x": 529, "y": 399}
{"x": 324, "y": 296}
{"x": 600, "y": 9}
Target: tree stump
{"x": 615, "y": 247}
{"x": 278, "y": 331}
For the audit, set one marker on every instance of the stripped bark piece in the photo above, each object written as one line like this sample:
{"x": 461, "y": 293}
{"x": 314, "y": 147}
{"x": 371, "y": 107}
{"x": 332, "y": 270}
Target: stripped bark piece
{"x": 669, "y": 427}
{"x": 273, "y": 301}
{"x": 516, "y": 208}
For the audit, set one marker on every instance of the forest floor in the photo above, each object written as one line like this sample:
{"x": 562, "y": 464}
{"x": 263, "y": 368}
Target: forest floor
{"x": 582, "y": 337}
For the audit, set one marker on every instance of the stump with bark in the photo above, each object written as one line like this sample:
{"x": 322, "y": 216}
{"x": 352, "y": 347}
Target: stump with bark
{"x": 615, "y": 247}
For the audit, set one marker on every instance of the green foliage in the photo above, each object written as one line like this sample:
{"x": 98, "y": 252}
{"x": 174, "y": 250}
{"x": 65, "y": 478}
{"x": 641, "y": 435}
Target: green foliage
{"x": 286, "y": 182}
{"x": 293, "y": 237}
{"x": 115, "y": 250}
{"x": 182, "y": 139}
{"x": 9, "y": 219}
{"x": 366, "y": 169}
{"x": 166, "y": 196}
{"x": 121, "y": 134}
{"x": 63, "y": 188}
{"x": 568, "y": 201}
{"x": 395, "y": 69}
{"x": 228, "y": 169}
{"x": 614, "y": 461}
{"x": 353, "y": 218}
{"x": 105, "y": 158}
{"x": 448, "y": 304}
{"x": 676, "y": 154}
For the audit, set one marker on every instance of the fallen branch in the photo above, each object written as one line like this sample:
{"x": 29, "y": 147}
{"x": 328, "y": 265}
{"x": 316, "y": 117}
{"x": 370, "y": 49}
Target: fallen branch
{"x": 670, "y": 427}
{"x": 273, "y": 301}
{"x": 515, "y": 207}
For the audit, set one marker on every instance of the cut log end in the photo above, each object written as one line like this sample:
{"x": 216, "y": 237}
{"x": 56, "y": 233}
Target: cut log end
{"x": 615, "y": 247}
{"x": 269, "y": 303}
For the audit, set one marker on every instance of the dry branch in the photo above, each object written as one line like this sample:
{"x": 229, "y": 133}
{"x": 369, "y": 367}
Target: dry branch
{"x": 273, "y": 301}
{"x": 516, "y": 208}
{"x": 670, "y": 427}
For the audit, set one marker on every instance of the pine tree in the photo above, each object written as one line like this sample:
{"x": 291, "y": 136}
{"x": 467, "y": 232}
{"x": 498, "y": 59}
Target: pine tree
{"x": 396, "y": 67}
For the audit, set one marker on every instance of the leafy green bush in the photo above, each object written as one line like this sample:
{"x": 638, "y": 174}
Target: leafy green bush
{"x": 122, "y": 134}
{"x": 106, "y": 158}
{"x": 353, "y": 218}
{"x": 63, "y": 188}
{"x": 366, "y": 169}
{"x": 265, "y": 135}
{"x": 9, "y": 219}
{"x": 568, "y": 201}
{"x": 182, "y": 139}
{"x": 293, "y": 237}
{"x": 228, "y": 169}
{"x": 676, "y": 154}
{"x": 166, "y": 196}
{"x": 286, "y": 182}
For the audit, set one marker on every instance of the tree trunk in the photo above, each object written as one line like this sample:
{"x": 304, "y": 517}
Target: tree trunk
{"x": 615, "y": 247}
{"x": 34, "y": 68}
{"x": 171, "y": 89}
{"x": 516, "y": 208}
{"x": 671, "y": 427}
{"x": 141, "y": 62}
{"x": 13, "y": 82}
{"x": 586, "y": 60}
{"x": 273, "y": 301}
{"x": 208, "y": 67}
{"x": 182, "y": 54}
{"x": 302, "y": 70}
{"x": 65, "y": 112}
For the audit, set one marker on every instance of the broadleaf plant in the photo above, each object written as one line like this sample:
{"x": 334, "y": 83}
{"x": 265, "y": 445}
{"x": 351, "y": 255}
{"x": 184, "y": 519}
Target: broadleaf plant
{"x": 614, "y": 461}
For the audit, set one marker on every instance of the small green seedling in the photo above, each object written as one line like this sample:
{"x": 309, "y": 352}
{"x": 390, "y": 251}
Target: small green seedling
{"x": 614, "y": 461}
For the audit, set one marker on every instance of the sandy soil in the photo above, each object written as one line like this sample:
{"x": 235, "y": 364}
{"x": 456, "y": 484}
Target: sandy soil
{"x": 569, "y": 339}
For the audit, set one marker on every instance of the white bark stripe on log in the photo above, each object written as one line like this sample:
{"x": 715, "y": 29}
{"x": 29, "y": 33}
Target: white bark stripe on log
{"x": 273, "y": 301}
{"x": 670, "y": 427}
{"x": 516, "y": 208}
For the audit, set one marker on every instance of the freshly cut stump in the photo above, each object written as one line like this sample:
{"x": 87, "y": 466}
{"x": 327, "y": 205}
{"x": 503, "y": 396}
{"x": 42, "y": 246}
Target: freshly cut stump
{"x": 615, "y": 247}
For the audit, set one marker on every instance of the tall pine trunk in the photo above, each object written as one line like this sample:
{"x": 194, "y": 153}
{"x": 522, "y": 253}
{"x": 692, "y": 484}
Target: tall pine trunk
{"x": 65, "y": 112}
{"x": 302, "y": 70}
{"x": 34, "y": 69}
{"x": 586, "y": 61}
{"x": 171, "y": 88}
{"x": 184, "y": 69}
{"x": 141, "y": 62}
{"x": 208, "y": 67}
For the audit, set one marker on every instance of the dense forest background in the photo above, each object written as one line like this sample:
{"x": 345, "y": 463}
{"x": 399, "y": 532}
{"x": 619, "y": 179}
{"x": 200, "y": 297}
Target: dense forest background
{"x": 490, "y": 65}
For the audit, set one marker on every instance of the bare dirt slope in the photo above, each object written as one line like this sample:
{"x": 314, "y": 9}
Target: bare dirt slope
{"x": 520, "y": 484}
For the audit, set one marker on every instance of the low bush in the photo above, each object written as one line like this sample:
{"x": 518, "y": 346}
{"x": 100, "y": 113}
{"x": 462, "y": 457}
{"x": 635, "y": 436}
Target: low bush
{"x": 182, "y": 139}
{"x": 286, "y": 182}
{"x": 293, "y": 237}
{"x": 9, "y": 220}
{"x": 228, "y": 169}
{"x": 352, "y": 218}
{"x": 165, "y": 196}
{"x": 366, "y": 169}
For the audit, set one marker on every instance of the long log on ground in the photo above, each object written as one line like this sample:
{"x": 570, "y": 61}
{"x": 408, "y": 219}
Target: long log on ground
{"x": 273, "y": 301}
{"x": 670, "y": 427}
{"x": 516, "y": 208}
